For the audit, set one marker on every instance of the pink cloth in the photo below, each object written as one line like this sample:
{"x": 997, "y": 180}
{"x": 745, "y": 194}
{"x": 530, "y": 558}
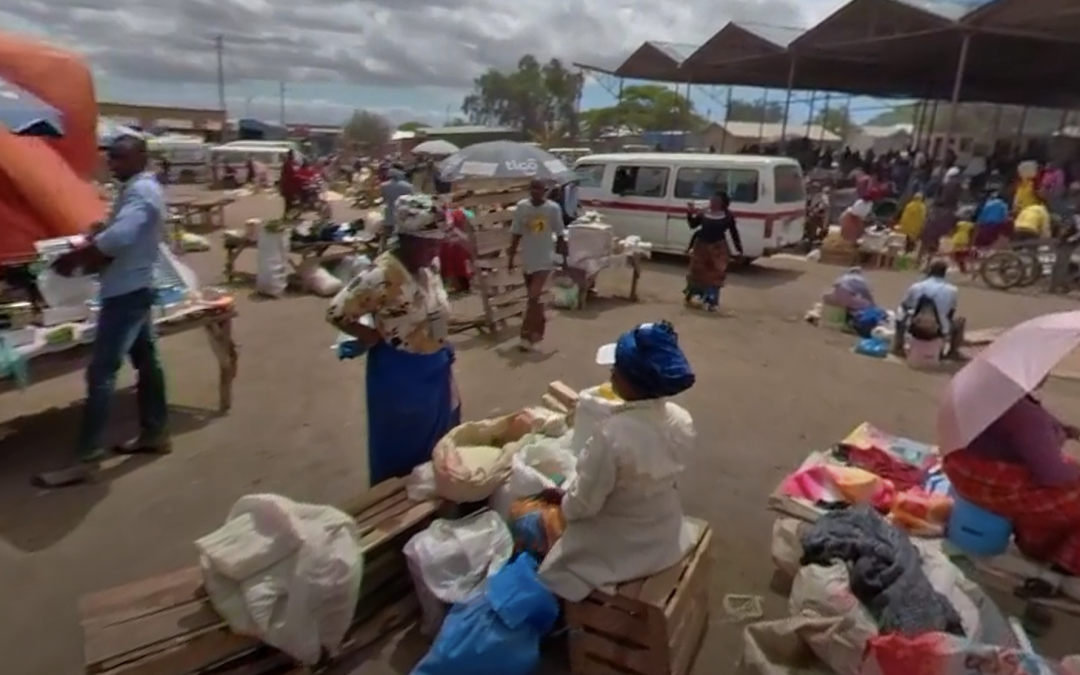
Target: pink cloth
{"x": 1028, "y": 434}
{"x": 1053, "y": 181}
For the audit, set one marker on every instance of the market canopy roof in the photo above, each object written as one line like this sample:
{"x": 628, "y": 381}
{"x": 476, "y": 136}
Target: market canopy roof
{"x": 874, "y": 23}
{"x": 1048, "y": 19}
{"x": 737, "y": 42}
{"x": 655, "y": 61}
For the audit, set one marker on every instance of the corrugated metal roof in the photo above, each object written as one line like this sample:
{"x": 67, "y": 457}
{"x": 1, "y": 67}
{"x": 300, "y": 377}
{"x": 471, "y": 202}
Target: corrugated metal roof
{"x": 676, "y": 51}
{"x": 781, "y": 36}
{"x": 946, "y": 9}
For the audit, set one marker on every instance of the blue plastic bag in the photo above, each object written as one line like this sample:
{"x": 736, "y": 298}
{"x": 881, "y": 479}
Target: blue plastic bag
{"x": 497, "y": 633}
{"x": 873, "y": 347}
{"x": 864, "y": 321}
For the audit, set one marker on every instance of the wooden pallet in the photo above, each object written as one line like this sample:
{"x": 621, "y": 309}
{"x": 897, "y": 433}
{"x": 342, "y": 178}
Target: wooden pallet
{"x": 502, "y": 292}
{"x": 165, "y": 625}
{"x": 652, "y": 626}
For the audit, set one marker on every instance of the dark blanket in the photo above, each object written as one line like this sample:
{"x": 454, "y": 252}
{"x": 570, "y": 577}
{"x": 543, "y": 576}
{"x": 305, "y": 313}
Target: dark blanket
{"x": 885, "y": 570}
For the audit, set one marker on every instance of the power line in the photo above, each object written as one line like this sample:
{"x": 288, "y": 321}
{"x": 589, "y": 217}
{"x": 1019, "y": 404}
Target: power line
{"x": 281, "y": 103}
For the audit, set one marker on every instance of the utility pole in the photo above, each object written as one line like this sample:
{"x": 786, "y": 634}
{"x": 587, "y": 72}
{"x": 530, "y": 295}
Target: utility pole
{"x": 219, "y": 47}
{"x": 281, "y": 103}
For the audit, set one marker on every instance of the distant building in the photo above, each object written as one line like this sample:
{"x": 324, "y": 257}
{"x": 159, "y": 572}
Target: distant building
{"x": 464, "y": 136}
{"x": 208, "y": 123}
{"x": 732, "y": 137}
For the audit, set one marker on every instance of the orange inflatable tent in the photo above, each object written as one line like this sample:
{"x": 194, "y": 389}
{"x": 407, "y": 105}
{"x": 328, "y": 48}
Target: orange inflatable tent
{"x": 45, "y": 188}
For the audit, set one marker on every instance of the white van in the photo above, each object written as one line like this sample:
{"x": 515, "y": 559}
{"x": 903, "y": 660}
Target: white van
{"x": 188, "y": 156}
{"x": 647, "y": 193}
{"x": 270, "y": 153}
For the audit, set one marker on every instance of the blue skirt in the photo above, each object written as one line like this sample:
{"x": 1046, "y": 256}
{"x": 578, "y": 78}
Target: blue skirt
{"x": 410, "y": 408}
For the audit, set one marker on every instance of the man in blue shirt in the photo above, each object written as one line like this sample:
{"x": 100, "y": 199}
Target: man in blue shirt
{"x": 928, "y": 311}
{"x": 126, "y": 252}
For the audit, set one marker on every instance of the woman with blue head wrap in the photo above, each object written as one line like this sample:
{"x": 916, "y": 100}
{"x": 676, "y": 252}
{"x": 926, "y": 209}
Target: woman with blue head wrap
{"x": 623, "y": 515}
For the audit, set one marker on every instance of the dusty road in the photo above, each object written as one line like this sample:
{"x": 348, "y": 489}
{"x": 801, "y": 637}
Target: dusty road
{"x": 770, "y": 388}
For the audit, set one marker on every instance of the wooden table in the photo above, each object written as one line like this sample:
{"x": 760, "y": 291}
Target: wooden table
{"x": 323, "y": 251}
{"x": 585, "y": 282}
{"x": 216, "y": 320}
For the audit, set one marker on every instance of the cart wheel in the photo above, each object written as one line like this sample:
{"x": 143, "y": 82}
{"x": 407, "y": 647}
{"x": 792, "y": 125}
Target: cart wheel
{"x": 1037, "y": 620}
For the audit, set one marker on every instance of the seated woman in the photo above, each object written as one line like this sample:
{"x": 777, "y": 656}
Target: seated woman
{"x": 623, "y": 516}
{"x": 1016, "y": 469}
{"x": 851, "y": 291}
{"x": 912, "y": 220}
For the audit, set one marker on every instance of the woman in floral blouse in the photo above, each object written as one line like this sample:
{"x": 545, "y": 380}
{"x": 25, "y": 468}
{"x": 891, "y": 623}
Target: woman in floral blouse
{"x": 411, "y": 397}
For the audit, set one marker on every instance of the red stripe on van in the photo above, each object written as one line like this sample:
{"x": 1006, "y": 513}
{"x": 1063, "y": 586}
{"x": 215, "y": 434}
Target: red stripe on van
{"x": 682, "y": 210}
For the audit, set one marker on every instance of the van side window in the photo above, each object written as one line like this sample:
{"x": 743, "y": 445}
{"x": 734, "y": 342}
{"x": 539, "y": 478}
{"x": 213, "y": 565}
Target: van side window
{"x": 740, "y": 184}
{"x": 590, "y": 175}
{"x": 789, "y": 185}
{"x": 640, "y": 181}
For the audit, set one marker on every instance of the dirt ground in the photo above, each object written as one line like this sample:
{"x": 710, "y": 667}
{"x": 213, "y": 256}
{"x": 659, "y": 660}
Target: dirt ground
{"x": 770, "y": 389}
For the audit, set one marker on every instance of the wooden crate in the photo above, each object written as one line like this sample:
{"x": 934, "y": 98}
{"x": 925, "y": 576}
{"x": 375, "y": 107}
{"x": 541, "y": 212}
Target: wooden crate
{"x": 165, "y": 625}
{"x": 502, "y": 292}
{"x": 652, "y": 626}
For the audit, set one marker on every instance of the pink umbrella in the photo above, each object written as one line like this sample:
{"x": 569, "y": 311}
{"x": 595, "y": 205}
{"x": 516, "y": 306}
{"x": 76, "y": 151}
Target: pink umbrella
{"x": 1011, "y": 367}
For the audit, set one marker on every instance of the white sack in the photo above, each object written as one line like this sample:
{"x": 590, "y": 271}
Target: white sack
{"x": 285, "y": 573}
{"x": 272, "y": 276}
{"x": 538, "y": 457}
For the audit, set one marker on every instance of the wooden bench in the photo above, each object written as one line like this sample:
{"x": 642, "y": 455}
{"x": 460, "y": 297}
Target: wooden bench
{"x": 165, "y": 625}
{"x": 652, "y": 626}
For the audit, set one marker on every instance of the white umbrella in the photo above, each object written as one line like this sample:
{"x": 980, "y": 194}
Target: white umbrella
{"x": 436, "y": 147}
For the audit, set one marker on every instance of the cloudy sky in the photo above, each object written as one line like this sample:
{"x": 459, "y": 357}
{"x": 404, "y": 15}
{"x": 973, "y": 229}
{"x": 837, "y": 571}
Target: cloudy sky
{"x": 410, "y": 59}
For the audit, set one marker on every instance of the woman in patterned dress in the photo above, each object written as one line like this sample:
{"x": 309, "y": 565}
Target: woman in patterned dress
{"x": 411, "y": 396}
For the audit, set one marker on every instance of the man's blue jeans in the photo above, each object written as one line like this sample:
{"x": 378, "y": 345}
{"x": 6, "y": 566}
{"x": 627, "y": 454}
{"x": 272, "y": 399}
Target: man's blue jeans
{"x": 125, "y": 327}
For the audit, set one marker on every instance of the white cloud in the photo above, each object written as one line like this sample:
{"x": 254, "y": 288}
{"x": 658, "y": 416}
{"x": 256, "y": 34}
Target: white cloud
{"x": 406, "y": 43}
{"x": 322, "y": 112}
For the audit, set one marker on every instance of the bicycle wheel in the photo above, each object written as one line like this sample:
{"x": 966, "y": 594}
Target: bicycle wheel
{"x": 1003, "y": 270}
{"x": 1033, "y": 269}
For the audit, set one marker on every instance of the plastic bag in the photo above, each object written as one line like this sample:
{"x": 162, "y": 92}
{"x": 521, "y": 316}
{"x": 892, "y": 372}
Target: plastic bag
{"x": 535, "y": 526}
{"x": 499, "y": 632}
{"x": 272, "y": 276}
{"x": 13, "y": 365}
{"x": 825, "y": 592}
{"x": 420, "y": 485}
{"x": 286, "y": 573}
{"x": 592, "y": 409}
{"x": 473, "y": 459}
{"x": 60, "y": 291}
{"x": 872, "y": 347}
{"x": 451, "y": 560}
{"x": 945, "y": 654}
{"x": 317, "y": 280}
{"x": 539, "y": 463}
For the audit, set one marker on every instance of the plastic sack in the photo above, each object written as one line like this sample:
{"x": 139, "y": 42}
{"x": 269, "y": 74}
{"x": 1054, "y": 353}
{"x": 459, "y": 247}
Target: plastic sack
{"x": 538, "y": 464}
{"x": 317, "y": 280}
{"x": 284, "y": 572}
{"x": 872, "y": 347}
{"x": 499, "y": 632}
{"x": 60, "y": 291}
{"x": 944, "y": 654}
{"x": 420, "y": 486}
{"x": 473, "y": 459}
{"x": 193, "y": 243}
{"x": 565, "y": 293}
{"x": 13, "y": 365}
{"x": 272, "y": 275}
{"x": 819, "y": 592}
{"x": 451, "y": 559}
{"x": 592, "y": 409}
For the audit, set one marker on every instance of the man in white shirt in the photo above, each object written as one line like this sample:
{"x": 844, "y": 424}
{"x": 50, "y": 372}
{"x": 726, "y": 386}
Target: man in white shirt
{"x": 928, "y": 311}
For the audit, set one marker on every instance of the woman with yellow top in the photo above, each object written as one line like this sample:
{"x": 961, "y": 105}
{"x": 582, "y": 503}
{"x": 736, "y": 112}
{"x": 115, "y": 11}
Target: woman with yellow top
{"x": 411, "y": 398}
{"x": 1025, "y": 194}
{"x": 1032, "y": 222}
{"x": 912, "y": 219}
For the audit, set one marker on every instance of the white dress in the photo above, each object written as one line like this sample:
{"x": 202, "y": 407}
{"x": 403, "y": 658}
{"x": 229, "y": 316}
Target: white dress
{"x": 624, "y": 517}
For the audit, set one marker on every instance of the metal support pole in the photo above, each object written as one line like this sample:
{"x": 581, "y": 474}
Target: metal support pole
{"x": 1019, "y": 140}
{"x": 847, "y": 121}
{"x": 810, "y": 113}
{"x": 920, "y": 119}
{"x": 764, "y": 107}
{"x": 727, "y": 118}
{"x": 958, "y": 84}
{"x": 689, "y": 106}
{"x": 930, "y": 131}
{"x": 787, "y": 102}
{"x": 619, "y": 110}
{"x": 821, "y": 130}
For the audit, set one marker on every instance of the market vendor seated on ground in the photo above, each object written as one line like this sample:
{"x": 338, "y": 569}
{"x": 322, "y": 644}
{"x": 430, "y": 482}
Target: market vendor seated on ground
{"x": 1016, "y": 469}
{"x": 928, "y": 313}
{"x": 623, "y": 516}
{"x": 850, "y": 291}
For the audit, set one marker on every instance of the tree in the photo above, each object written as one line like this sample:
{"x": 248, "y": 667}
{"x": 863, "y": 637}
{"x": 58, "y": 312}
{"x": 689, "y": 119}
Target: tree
{"x": 368, "y": 128}
{"x": 836, "y": 120}
{"x": 412, "y": 126}
{"x": 645, "y": 107}
{"x": 752, "y": 111}
{"x": 537, "y": 99}
{"x": 458, "y": 122}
